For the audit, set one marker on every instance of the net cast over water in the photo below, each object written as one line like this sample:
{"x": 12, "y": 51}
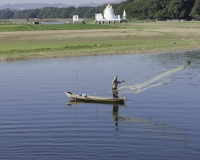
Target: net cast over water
{"x": 160, "y": 79}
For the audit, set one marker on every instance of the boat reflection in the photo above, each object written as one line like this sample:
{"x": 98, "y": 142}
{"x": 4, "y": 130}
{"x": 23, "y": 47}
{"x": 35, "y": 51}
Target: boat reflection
{"x": 114, "y": 111}
{"x": 71, "y": 102}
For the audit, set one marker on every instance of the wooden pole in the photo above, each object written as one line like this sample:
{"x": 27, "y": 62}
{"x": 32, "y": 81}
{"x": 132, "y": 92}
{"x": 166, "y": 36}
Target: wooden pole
{"x": 94, "y": 82}
{"x": 75, "y": 83}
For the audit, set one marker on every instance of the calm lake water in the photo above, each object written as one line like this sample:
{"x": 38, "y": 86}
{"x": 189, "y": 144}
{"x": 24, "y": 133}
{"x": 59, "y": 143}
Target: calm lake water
{"x": 160, "y": 123}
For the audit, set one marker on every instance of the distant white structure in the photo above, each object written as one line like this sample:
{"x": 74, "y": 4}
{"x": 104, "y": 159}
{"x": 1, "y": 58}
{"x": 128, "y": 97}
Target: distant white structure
{"x": 108, "y": 15}
{"x": 124, "y": 16}
{"x": 98, "y": 17}
{"x": 76, "y": 19}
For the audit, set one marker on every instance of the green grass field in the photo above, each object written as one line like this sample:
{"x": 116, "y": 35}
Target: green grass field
{"x": 47, "y": 41}
{"x": 31, "y": 27}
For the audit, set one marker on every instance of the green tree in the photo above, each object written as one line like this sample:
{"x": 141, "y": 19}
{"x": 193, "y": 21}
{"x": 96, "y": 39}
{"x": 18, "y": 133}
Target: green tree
{"x": 180, "y": 9}
{"x": 139, "y": 9}
{"x": 6, "y": 14}
{"x": 195, "y": 12}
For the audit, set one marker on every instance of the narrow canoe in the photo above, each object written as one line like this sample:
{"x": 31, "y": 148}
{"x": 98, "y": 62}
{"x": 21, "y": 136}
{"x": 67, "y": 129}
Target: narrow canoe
{"x": 99, "y": 99}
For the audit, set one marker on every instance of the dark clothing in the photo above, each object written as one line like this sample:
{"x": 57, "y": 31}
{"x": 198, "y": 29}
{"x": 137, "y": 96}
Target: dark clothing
{"x": 115, "y": 93}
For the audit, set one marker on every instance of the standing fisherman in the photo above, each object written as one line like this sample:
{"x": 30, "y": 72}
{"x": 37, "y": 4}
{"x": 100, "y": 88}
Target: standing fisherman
{"x": 189, "y": 62}
{"x": 114, "y": 87}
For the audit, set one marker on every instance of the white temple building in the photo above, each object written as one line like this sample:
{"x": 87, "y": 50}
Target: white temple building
{"x": 108, "y": 16}
{"x": 76, "y": 19}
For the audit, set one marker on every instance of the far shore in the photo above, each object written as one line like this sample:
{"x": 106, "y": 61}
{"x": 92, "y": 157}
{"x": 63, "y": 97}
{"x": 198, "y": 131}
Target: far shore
{"x": 134, "y": 38}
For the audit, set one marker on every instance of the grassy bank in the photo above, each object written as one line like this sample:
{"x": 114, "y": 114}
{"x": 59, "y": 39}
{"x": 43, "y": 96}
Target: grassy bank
{"x": 42, "y": 41}
{"x": 41, "y": 27}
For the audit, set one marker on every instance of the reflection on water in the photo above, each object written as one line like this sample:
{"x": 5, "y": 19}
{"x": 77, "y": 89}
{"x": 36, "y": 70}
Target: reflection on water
{"x": 115, "y": 113}
{"x": 71, "y": 102}
{"x": 160, "y": 130}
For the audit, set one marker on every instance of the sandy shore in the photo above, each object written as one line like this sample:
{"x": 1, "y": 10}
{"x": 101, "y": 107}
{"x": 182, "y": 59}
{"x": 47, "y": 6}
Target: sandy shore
{"x": 135, "y": 38}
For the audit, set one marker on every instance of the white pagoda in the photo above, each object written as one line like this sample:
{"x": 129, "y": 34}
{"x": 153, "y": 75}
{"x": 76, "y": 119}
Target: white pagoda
{"x": 108, "y": 15}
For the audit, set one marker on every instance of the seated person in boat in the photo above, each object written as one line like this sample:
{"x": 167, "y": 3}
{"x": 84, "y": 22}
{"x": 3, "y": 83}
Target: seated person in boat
{"x": 115, "y": 82}
{"x": 83, "y": 95}
{"x": 189, "y": 62}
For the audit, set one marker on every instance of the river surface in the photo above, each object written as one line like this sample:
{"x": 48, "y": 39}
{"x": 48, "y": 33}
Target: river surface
{"x": 161, "y": 122}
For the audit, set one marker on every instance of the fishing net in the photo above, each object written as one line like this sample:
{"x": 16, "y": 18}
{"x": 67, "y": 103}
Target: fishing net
{"x": 131, "y": 85}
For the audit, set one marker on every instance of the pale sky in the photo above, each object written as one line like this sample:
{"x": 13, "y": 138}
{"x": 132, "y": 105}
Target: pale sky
{"x": 75, "y": 2}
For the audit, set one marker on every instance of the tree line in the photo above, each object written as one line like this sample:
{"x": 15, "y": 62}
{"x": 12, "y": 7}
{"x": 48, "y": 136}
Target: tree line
{"x": 161, "y": 9}
{"x": 135, "y": 9}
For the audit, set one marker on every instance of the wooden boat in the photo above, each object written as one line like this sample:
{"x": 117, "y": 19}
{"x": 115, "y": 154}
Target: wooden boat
{"x": 98, "y": 99}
